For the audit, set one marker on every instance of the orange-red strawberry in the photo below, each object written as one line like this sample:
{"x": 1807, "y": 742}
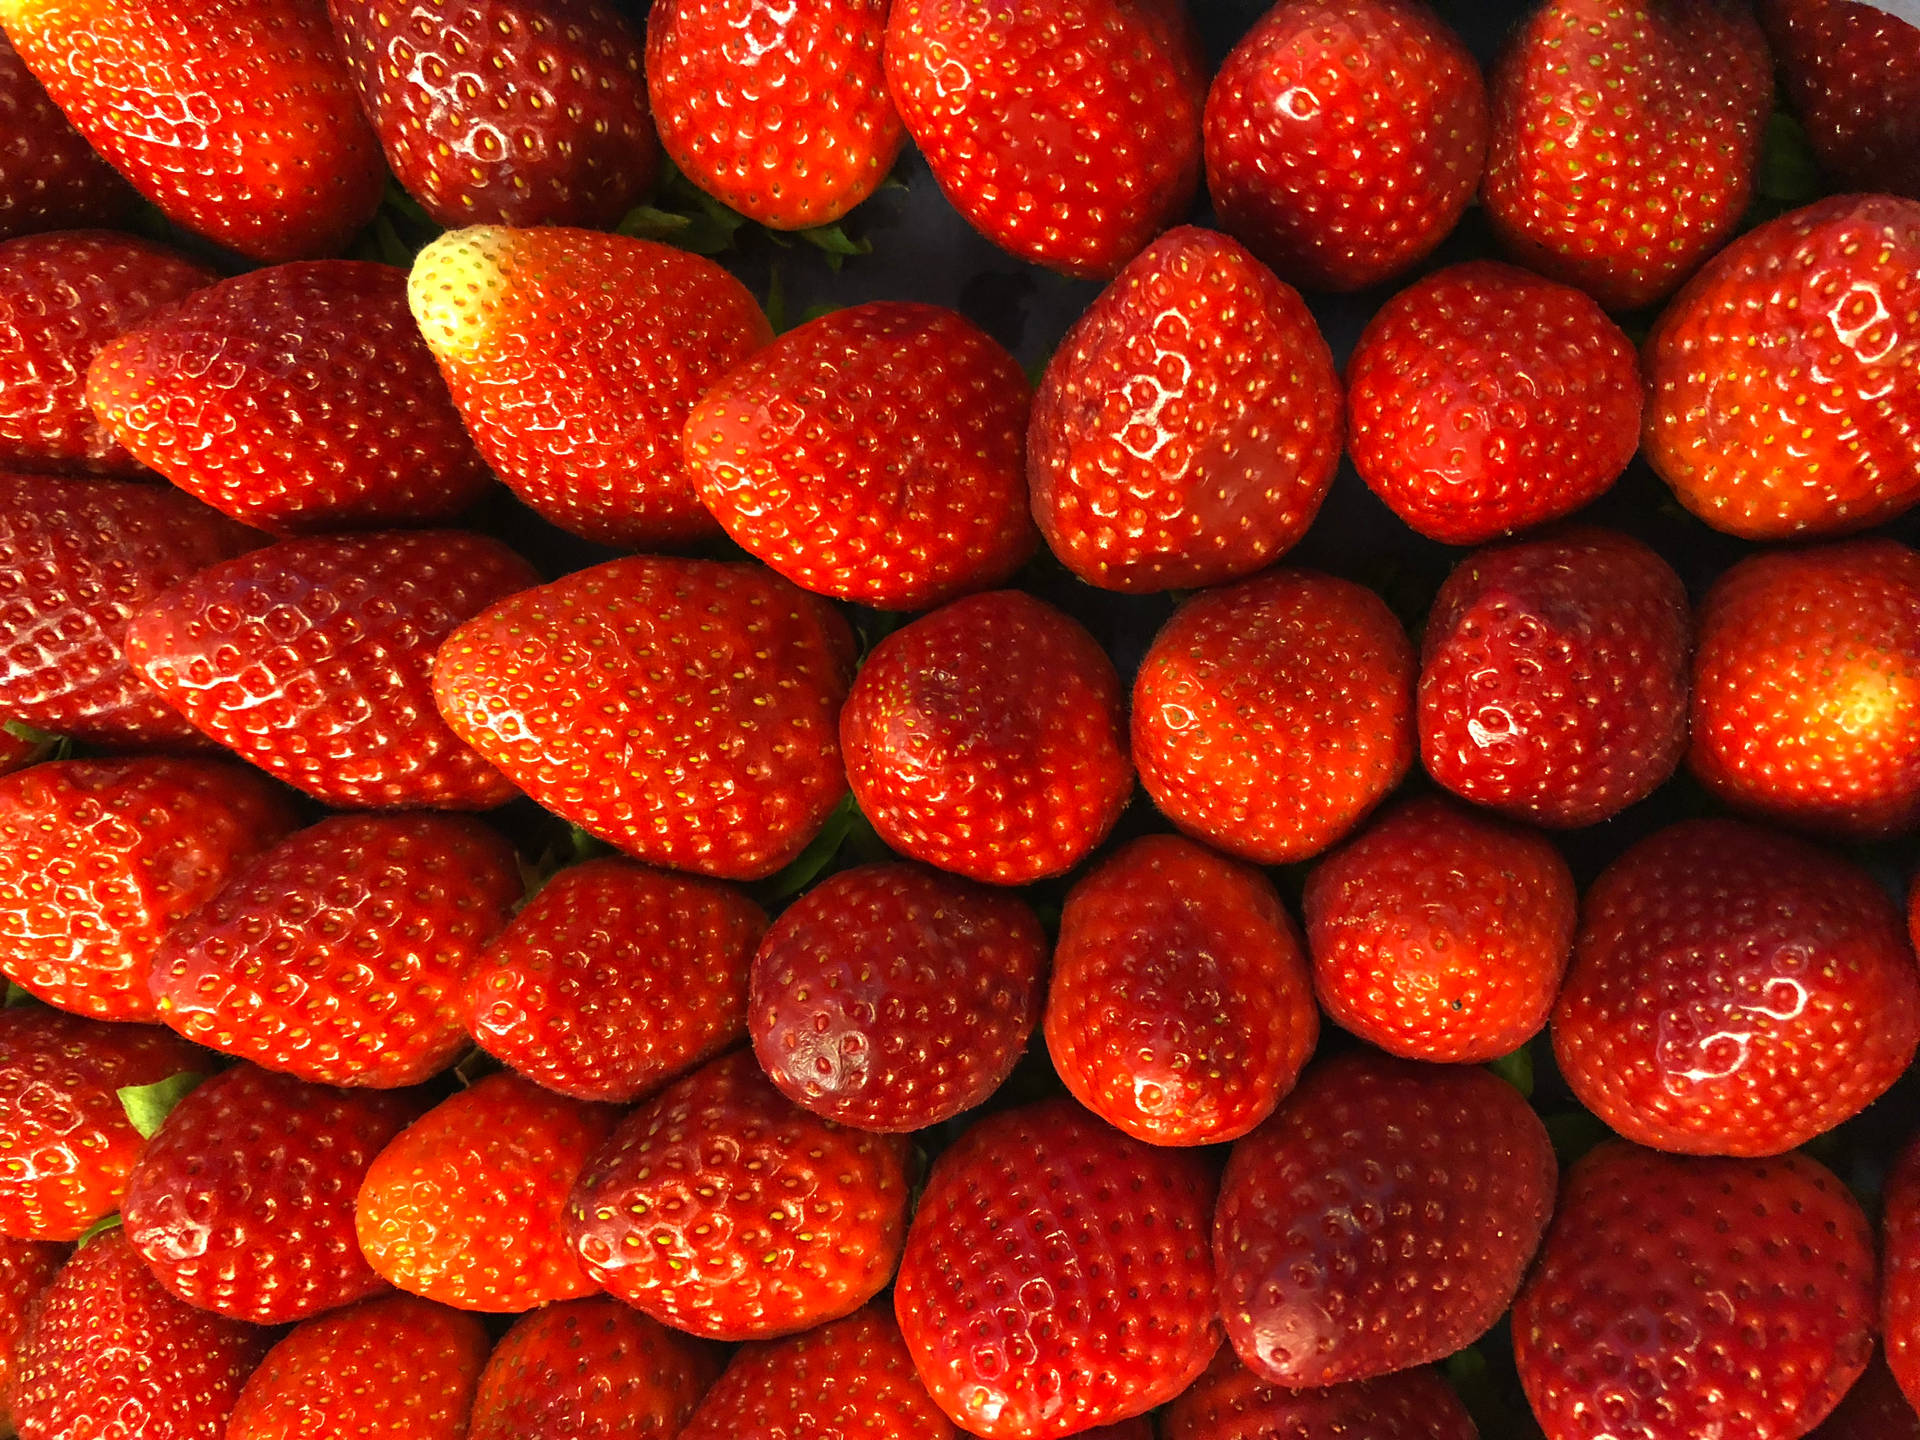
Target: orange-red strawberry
{"x": 50, "y": 177}
{"x": 1230, "y": 1402}
{"x": 1852, "y": 71}
{"x": 27, "y": 1267}
{"x": 1900, "y": 1291}
{"x": 875, "y": 454}
{"x": 684, "y": 710}
{"x": 1874, "y": 1409}
{"x": 1188, "y": 426}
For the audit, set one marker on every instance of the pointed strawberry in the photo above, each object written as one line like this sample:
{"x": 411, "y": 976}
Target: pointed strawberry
{"x": 1852, "y": 70}
{"x": 50, "y": 177}
{"x": 1230, "y": 1402}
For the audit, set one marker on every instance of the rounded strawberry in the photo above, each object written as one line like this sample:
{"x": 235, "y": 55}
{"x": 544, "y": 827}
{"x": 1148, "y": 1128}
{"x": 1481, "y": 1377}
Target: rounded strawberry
{"x": 724, "y": 1210}
{"x": 1553, "y": 677}
{"x": 892, "y": 998}
{"x": 1188, "y": 426}
{"x": 1230, "y": 1402}
{"x": 1874, "y": 1409}
{"x": 50, "y": 177}
{"x": 1734, "y": 992}
{"x": 1852, "y": 71}
{"x": 1180, "y": 1009}
{"x": 1270, "y": 716}
{"x": 1900, "y": 1292}
{"x": 988, "y": 739}
{"x": 27, "y": 1267}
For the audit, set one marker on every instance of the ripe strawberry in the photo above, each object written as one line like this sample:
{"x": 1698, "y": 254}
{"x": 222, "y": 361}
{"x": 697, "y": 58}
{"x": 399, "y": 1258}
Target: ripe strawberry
{"x": 509, "y": 112}
{"x": 1485, "y": 400}
{"x": 1057, "y": 1275}
{"x": 724, "y": 1210}
{"x": 50, "y": 177}
{"x": 296, "y": 398}
{"x": 1440, "y": 933}
{"x": 235, "y": 117}
{"x": 892, "y": 998}
{"x": 1345, "y": 138}
{"x": 683, "y": 710}
{"x": 312, "y": 659}
{"x": 17, "y": 749}
{"x": 1732, "y": 423}
{"x": 27, "y": 1267}
{"x": 1873, "y": 1410}
{"x": 1181, "y": 1009}
{"x": 1853, "y": 73}
{"x": 874, "y": 454}
{"x": 1230, "y": 1402}
{"x": 340, "y": 954}
{"x": 1170, "y": 447}
{"x": 1734, "y": 992}
{"x": 1678, "y": 1297}
{"x": 1900, "y": 1294}
{"x": 1270, "y": 716}
{"x": 468, "y": 1205}
{"x": 1553, "y": 677}
{"x": 575, "y": 358}
{"x": 1625, "y": 138}
{"x": 988, "y": 739}
{"x": 1066, "y": 131}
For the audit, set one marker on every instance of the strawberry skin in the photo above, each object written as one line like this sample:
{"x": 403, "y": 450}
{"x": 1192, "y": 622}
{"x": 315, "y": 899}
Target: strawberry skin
{"x": 27, "y": 1267}
{"x": 1168, "y": 449}
{"x": 1230, "y": 1402}
{"x": 1853, "y": 73}
{"x": 1900, "y": 1293}
{"x": 50, "y": 177}
{"x": 1873, "y": 1410}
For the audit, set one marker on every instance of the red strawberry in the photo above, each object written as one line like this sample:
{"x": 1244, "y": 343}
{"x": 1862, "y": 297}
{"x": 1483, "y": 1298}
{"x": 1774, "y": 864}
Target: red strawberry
{"x": 723, "y": 1209}
{"x": 340, "y": 954}
{"x": 510, "y": 112}
{"x": 235, "y": 117}
{"x": 19, "y": 749}
{"x": 1733, "y": 424}
{"x": 296, "y": 398}
{"x": 1553, "y": 677}
{"x": 1345, "y": 138}
{"x": 988, "y": 739}
{"x": 1873, "y": 1410}
{"x": 50, "y": 177}
{"x": 1853, "y": 72}
{"x": 683, "y": 710}
{"x": 1169, "y": 446}
{"x": 1900, "y": 1296}
{"x": 874, "y": 454}
{"x": 1485, "y": 400}
{"x": 1440, "y": 933}
{"x": 1057, "y": 1275}
{"x": 27, "y": 1267}
{"x": 1269, "y": 717}
{"x": 1066, "y": 131}
{"x": 1230, "y": 1402}
{"x": 575, "y": 358}
{"x": 1734, "y": 992}
{"x": 892, "y": 998}
{"x": 312, "y": 659}
{"x": 1678, "y": 1297}
{"x": 1181, "y": 1009}
{"x": 1625, "y": 138}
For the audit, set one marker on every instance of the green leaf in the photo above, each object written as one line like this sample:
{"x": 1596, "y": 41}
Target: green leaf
{"x": 1789, "y": 175}
{"x": 813, "y": 861}
{"x": 148, "y": 1106}
{"x": 475, "y": 1066}
{"x": 1516, "y": 1069}
{"x": 1574, "y": 1133}
{"x": 93, "y": 1232}
{"x": 776, "y": 303}
{"x": 834, "y": 242}
{"x": 17, "y": 995}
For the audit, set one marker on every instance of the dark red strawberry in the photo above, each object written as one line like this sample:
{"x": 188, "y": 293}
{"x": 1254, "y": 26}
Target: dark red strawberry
{"x": 1230, "y": 1402}
{"x": 1853, "y": 73}
{"x": 1168, "y": 449}
{"x": 1873, "y": 1410}
{"x": 50, "y": 177}
{"x": 20, "y": 746}
{"x": 27, "y": 1267}
{"x": 874, "y": 454}
{"x": 1900, "y": 1294}
{"x": 892, "y": 998}
{"x": 723, "y": 1209}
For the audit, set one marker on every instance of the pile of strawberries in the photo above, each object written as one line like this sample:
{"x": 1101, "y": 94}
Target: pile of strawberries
{"x": 580, "y": 863}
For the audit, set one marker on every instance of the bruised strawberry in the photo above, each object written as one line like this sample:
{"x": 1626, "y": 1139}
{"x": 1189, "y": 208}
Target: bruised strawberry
{"x": 1900, "y": 1292}
{"x": 1873, "y": 1410}
{"x": 1230, "y": 1402}
{"x": 27, "y": 1267}
{"x": 1853, "y": 73}
{"x": 50, "y": 177}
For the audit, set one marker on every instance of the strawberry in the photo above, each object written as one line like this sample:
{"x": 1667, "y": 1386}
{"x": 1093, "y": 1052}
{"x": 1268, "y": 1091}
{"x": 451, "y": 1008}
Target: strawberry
{"x": 468, "y": 1205}
{"x": 1180, "y": 1009}
{"x": 575, "y": 358}
{"x": 1678, "y": 1297}
{"x": 312, "y": 659}
{"x": 295, "y": 398}
{"x": 1853, "y": 73}
{"x": 723, "y": 1209}
{"x": 1625, "y": 138}
{"x": 1734, "y": 992}
{"x": 235, "y": 117}
{"x": 27, "y": 1267}
{"x": 17, "y": 749}
{"x": 1057, "y": 1275}
{"x": 874, "y": 454}
{"x": 1065, "y": 131}
{"x": 1873, "y": 1410}
{"x": 1270, "y": 716}
{"x": 508, "y": 112}
{"x": 781, "y": 114}
{"x": 988, "y": 739}
{"x": 614, "y": 979}
{"x": 1344, "y": 138}
{"x": 1486, "y": 400}
{"x": 892, "y": 998}
{"x": 50, "y": 178}
{"x": 1732, "y": 423}
{"x": 339, "y": 955}
{"x": 1553, "y": 677}
{"x": 1900, "y": 1295}
{"x": 1169, "y": 447}
{"x": 683, "y": 710}
{"x": 1230, "y": 1402}
{"x": 1440, "y": 933}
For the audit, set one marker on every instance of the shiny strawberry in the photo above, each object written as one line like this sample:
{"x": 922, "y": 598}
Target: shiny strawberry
{"x": 1270, "y": 716}
{"x": 890, "y": 997}
{"x": 50, "y": 177}
{"x": 27, "y": 1267}
{"x": 1168, "y": 448}
{"x": 1230, "y": 1402}
{"x": 1553, "y": 677}
{"x": 1900, "y": 1293}
{"x": 988, "y": 739}
{"x": 684, "y": 710}
{"x": 874, "y": 454}
{"x": 1852, "y": 71}
{"x": 1874, "y": 1409}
